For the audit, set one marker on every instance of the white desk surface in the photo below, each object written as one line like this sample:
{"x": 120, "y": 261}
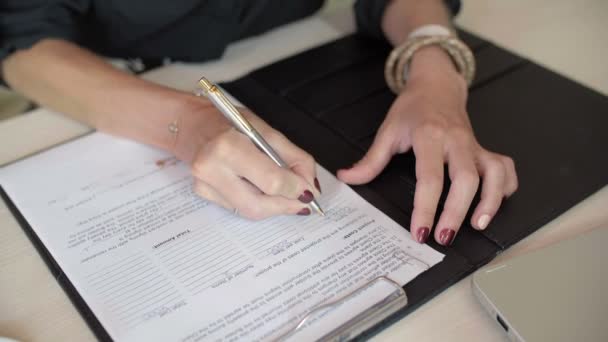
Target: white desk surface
{"x": 564, "y": 35}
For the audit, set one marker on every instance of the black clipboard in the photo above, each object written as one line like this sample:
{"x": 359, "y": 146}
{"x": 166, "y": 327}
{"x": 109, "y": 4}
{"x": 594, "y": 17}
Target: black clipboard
{"x": 53, "y": 266}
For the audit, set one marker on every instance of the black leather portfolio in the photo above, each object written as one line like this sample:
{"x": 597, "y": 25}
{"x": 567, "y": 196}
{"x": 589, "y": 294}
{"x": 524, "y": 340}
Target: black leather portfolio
{"x": 330, "y": 101}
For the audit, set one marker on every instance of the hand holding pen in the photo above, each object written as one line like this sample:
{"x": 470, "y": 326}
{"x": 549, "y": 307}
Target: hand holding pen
{"x": 232, "y": 171}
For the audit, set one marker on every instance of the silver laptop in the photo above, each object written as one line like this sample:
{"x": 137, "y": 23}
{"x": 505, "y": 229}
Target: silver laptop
{"x": 558, "y": 293}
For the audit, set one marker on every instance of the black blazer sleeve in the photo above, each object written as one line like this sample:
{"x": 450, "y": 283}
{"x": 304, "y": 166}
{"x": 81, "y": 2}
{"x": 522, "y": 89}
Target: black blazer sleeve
{"x": 368, "y": 15}
{"x": 25, "y": 22}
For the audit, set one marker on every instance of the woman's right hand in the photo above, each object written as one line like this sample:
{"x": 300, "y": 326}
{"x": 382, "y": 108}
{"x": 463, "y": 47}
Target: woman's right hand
{"x": 230, "y": 171}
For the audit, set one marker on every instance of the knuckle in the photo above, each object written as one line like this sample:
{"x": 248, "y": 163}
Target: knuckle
{"x": 282, "y": 183}
{"x": 308, "y": 159}
{"x": 201, "y": 167}
{"x": 508, "y": 162}
{"x": 462, "y": 135}
{"x": 199, "y": 190}
{"x": 491, "y": 199}
{"x": 455, "y": 212}
{"x": 492, "y": 207}
{"x": 426, "y": 212}
{"x": 513, "y": 187}
{"x": 246, "y": 212}
{"x": 434, "y": 130}
{"x": 275, "y": 182}
{"x": 254, "y": 213}
{"x": 495, "y": 167}
{"x": 467, "y": 177}
{"x": 431, "y": 180}
{"x": 452, "y": 212}
{"x": 221, "y": 146}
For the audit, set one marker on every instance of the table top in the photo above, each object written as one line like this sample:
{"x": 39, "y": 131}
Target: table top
{"x": 34, "y": 307}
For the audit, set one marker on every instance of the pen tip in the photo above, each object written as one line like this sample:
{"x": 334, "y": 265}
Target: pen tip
{"x": 317, "y": 208}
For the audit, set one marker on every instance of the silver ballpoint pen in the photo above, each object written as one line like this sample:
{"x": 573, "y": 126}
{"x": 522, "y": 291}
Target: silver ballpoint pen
{"x": 215, "y": 95}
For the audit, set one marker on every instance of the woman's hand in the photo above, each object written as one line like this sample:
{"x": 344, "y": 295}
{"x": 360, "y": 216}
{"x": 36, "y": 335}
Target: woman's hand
{"x": 430, "y": 117}
{"x": 230, "y": 171}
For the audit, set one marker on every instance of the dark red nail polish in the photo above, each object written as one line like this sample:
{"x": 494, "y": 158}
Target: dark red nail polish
{"x": 317, "y": 185}
{"x": 304, "y": 212}
{"x": 306, "y": 197}
{"x": 423, "y": 234}
{"x": 446, "y": 237}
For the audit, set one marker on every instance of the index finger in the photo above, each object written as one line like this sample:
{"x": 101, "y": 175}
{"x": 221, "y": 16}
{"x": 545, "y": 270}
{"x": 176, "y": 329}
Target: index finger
{"x": 299, "y": 161}
{"x": 252, "y": 164}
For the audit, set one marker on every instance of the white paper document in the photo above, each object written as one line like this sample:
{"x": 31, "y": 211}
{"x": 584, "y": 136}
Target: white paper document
{"x": 155, "y": 262}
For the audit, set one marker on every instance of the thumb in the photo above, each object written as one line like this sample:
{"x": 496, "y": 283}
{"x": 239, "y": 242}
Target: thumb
{"x": 372, "y": 163}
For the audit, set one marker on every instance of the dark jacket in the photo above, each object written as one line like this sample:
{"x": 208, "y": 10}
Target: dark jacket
{"x": 185, "y": 30}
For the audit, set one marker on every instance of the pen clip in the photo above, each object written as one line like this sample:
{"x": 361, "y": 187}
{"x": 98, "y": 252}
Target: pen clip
{"x": 215, "y": 94}
{"x": 237, "y": 116}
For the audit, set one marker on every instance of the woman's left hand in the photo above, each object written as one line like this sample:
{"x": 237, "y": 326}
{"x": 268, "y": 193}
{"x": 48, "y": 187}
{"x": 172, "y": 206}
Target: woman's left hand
{"x": 429, "y": 116}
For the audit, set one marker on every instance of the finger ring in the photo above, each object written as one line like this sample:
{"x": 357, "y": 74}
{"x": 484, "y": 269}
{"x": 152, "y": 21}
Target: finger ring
{"x": 235, "y": 211}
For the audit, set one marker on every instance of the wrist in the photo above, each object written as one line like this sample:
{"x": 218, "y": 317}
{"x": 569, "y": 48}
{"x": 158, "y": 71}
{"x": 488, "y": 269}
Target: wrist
{"x": 432, "y": 63}
{"x": 430, "y": 60}
{"x": 198, "y": 122}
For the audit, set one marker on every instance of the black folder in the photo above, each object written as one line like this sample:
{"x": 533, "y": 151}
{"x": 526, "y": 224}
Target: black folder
{"x": 330, "y": 101}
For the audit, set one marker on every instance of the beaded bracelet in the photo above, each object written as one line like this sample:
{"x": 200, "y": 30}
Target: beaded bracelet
{"x": 400, "y": 57}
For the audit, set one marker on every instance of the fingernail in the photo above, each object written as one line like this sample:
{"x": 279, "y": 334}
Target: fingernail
{"x": 483, "y": 221}
{"x": 317, "y": 185}
{"x": 446, "y": 236}
{"x": 304, "y": 212}
{"x": 423, "y": 234}
{"x": 306, "y": 197}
